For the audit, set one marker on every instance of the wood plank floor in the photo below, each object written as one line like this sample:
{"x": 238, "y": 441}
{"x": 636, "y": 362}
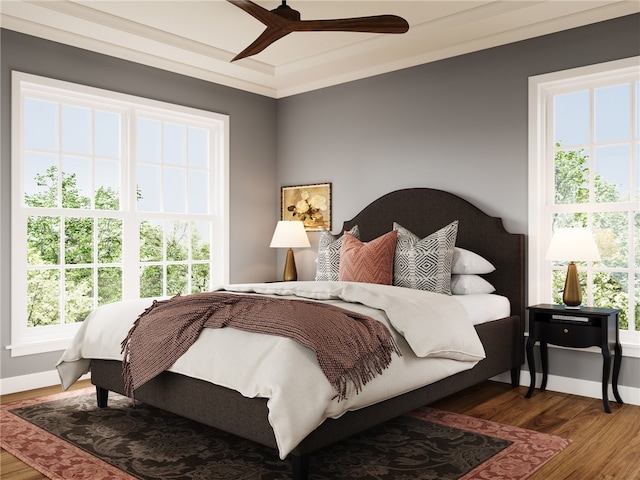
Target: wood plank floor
{"x": 605, "y": 446}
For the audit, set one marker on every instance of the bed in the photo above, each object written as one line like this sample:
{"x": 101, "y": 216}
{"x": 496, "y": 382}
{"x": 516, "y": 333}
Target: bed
{"x": 421, "y": 211}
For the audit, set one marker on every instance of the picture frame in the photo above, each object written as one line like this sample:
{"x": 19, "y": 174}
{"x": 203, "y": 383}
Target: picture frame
{"x": 310, "y": 204}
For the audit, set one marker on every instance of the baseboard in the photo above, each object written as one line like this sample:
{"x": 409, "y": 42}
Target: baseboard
{"x": 585, "y": 388}
{"x": 575, "y": 386}
{"x": 33, "y": 381}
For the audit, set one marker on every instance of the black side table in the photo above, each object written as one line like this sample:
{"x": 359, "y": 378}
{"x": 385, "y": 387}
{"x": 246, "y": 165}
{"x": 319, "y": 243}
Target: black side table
{"x": 576, "y": 328}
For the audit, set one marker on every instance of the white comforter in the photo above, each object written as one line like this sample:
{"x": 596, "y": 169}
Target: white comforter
{"x": 433, "y": 331}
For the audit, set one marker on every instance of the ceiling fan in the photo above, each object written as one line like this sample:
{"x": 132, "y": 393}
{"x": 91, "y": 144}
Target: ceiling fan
{"x": 283, "y": 20}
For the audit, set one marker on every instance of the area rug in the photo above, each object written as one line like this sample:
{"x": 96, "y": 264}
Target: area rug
{"x": 66, "y": 436}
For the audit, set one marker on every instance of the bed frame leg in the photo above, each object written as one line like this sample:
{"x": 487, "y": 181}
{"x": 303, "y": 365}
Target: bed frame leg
{"x": 515, "y": 377}
{"x": 300, "y": 465}
{"x": 102, "y": 396}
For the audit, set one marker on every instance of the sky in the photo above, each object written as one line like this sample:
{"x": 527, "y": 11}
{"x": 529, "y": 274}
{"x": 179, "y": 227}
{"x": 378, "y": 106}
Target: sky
{"x": 613, "y": 127}
{"x": 172, "y": 173}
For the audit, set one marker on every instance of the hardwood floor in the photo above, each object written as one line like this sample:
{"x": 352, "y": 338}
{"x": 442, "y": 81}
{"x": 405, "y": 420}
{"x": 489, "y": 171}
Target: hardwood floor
{"x": 604, "y": 446}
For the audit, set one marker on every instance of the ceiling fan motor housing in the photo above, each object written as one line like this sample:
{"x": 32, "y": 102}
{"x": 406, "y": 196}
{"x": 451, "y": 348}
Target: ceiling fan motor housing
{"x": 285, "y": 11}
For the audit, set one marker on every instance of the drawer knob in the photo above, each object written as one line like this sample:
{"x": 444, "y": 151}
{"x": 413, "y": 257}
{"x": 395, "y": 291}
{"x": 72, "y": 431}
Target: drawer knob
{"x": 566, "y": 330}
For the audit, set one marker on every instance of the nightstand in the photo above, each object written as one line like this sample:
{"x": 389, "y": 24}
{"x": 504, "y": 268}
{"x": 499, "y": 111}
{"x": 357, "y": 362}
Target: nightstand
{"x": 575, "y": 328}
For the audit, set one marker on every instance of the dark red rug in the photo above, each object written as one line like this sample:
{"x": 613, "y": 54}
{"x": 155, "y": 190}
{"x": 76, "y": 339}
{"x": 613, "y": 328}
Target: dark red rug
{"x": 66, "y": 436}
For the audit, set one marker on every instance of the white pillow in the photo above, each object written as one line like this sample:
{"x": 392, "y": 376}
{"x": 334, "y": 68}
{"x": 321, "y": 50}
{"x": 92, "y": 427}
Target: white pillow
{"x": 469, "y": 285}
{"x": 467, "y": 262}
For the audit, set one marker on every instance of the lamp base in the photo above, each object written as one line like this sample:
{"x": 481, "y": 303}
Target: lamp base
{"x": 572, "y": 294}
{"x": 290, "y": 274}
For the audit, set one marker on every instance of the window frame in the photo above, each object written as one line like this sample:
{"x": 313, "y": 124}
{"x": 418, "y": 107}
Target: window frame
{"x": 26, "y": 341}
{"x": 541, "y": 174}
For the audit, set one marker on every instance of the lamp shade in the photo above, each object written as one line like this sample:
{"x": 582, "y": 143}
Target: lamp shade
{"x": 573, "y": 244}
{"x": 290, "y": 234}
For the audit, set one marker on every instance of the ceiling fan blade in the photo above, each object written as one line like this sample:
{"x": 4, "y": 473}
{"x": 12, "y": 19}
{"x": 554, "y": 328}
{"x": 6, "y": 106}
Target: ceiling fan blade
{"x": 267, "y": 37}
{"x": 284, "y": 20}
{"x": 373, "y": 24}
{"x": 265, "y": 16}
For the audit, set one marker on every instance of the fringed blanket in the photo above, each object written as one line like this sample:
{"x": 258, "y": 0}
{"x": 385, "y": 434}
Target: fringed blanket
{"x": 350, "y": 347}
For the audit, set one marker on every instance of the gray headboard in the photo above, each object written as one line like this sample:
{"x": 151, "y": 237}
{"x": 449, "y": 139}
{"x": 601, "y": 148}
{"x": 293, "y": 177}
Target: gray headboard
{"x": 425, "y": 210}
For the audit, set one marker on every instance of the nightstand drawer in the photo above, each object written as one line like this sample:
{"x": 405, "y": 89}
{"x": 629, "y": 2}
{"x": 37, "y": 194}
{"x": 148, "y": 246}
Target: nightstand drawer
{"x": 571, "y": 335}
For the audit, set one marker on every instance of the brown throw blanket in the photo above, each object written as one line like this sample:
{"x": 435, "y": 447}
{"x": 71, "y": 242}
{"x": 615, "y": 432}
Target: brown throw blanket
{"x": 350, "y": 347}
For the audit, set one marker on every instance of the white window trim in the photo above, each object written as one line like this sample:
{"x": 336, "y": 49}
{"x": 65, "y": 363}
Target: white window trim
{"x": 22, "y": 343}
{"x": 539, "y": 176}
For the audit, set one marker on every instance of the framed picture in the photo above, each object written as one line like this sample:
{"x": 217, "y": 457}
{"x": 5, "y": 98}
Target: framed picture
{"x": 310, "y": 204}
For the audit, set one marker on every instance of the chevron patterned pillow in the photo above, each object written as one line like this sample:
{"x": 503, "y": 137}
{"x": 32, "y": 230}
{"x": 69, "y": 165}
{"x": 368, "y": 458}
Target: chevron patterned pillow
{"x": 425, "y": 264}
{"x": 329, "y": 254}
{"x": 370, "y": 262}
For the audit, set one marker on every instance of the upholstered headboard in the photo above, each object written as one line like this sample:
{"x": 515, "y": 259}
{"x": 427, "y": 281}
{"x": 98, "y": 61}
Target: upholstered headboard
{"x": 425, "y": 210}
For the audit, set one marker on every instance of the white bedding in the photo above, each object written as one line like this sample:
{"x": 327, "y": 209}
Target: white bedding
{"x": 484, "y": 307}
{"x": 433, "y": 331}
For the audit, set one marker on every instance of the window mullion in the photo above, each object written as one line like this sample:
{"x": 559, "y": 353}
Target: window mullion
{"x": 130, "y": 227}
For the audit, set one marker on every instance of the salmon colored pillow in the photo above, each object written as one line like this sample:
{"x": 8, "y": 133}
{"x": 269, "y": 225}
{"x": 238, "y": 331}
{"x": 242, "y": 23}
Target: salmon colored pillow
{"x": 370, "y": 262}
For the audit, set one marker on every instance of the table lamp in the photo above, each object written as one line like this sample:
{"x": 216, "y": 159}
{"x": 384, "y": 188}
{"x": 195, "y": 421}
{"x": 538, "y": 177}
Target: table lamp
{"x": 290, "y": 234}
{"x": 574, "y": 245}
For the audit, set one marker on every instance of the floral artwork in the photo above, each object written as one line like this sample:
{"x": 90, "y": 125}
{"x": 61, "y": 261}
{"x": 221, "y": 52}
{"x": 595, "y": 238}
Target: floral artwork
{"x": 310, "y": 204}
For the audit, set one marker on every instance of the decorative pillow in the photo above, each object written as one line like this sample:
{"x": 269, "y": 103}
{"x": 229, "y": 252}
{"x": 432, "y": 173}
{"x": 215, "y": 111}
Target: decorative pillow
{"x": 469, "y": 285}
{"x": 468, "y": 262}
{"x": 329, "y": 254}
{"x": 370, "y": 262}
{"x": 425, "y": 264}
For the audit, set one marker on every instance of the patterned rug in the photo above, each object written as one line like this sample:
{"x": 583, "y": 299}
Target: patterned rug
{"x": 66, "y": 436}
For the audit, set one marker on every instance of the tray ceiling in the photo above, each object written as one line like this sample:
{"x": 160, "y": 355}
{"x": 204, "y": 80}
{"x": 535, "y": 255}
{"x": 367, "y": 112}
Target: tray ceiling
{"x": 199, "y": 38}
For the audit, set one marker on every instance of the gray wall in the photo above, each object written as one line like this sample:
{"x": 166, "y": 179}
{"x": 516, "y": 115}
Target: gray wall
{"x": 254, "y": 196}
{"x": 458, "y": 124}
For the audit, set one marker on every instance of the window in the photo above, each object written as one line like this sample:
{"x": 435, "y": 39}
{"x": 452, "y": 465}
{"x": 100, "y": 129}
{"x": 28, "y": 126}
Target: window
{"x": 114, "y": 197}
{"x": 584, "y": 170}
